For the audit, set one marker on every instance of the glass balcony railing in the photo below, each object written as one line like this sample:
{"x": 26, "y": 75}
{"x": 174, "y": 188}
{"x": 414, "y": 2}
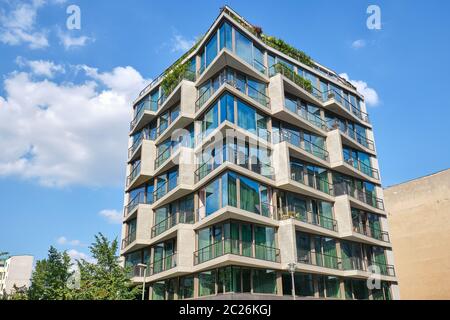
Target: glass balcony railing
{"x": 369, "y": 198}
{"x": 236, "y": 247}
{"x": 344, "y": 263}
{"x": 166, "y": 154}
{"x": 261, "y": 208}
{"x": 234, "y": 157}
{"x": 371, "y": 232}
{"x": 312, "y": 180}
{"x": 303, "y": 215}
{"x": 165, "y": 187}
{"x": 250, "y": 91}
{"x": 134, "y": 173}
{"x": 323, "y": 96}
{"x": 172, "y": 220}
{"x": 296, "y": 140}
{"x": 310, "y": 117}
{"x": 137, "y": 142}
{"x": 137, "y": 199}
{"x": 346, "y": 104}
{"x": 164, "y": 264}
{"x": 361, "y": 166}
{"x": 129, "y": 238}
{"x": 146, "y": 105}
{"x": 353, "y": 135}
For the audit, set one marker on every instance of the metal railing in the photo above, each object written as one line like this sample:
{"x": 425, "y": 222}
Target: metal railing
{"x": 361, "y": 166}
{"x": 310, "y": 117}
{"x": 137, "y": 199}
{"x": 166, "y": 187}
{"x": 234, "y": 157}
{"x": 129, "y": 238}
{"x": 166, "y": 154}
{"x": 146, "y": 105}
{"x": 346, "y": 104}
{"x": 371, "y": 232}
{"x": 344, "y": 263}
{"x": 361, "y": 195}
{"x": 157, "y": 266}
{"x": 236, "y": 247}
{"x": 311, "y": 180}
{"x": 309, "y": 217}
{"x": 171, "y": 221}
{"x": 263, "y": 208}
{"x": 353, "y": 135}
{"x": 250, "y": 91}
{"x": 134, "y": 173}
{"x": 136, "y": 143}
{"x": 296, "y": 140}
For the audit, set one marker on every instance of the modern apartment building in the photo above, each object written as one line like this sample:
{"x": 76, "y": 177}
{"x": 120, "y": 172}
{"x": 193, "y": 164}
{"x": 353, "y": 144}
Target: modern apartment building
{"x": 15, "y": 271}
{"x": 419, "y": 216}
{"x": 247, "y": 159}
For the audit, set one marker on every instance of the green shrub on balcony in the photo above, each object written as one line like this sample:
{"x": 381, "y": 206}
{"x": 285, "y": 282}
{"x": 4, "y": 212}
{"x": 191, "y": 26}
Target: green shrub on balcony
{"x": 302, "y": 82}
{"x": 287, "y": 49}
{"x": 174, "y": 76}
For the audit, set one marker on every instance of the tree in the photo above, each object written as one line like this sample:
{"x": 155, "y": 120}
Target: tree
{"x": 50, "y": 277}
{"x": 104, "y": 279}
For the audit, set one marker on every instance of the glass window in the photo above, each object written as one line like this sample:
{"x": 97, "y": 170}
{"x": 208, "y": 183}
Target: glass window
{"x": 159, "y": 291}
{"x": 225, "y": 36}
{"x": 211, "y": 50}
{"x": 264, "y": 281}
{"x": 210, "y": 120}
{"x": 174, "y": 113}
{"x": 229, "y": 191}
{"x": 249, "y": 194}
{"x": 243, "y": 47}
{"x": 259, "y": 59}
{"x": 227, "y": 108}
{"x": 212, "y": 198}
{"x": 207, "y": 283}
{"x": 187, "y": 287}
{"x": 246, "y": 117}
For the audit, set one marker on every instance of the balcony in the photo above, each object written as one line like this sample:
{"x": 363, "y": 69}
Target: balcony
{"x": 165, "y": 188}
{"x": 371, "y": 232}
{"x": 309, "y": 117}
{"x": 344, "y": 188}
{"x": 139, "y": 198}
{"x": 248, "y": 90}
{"x": 357, "y": 138}
{"x": 167, "y": 263}
{"x": 337, "y": 103}
{"x": 146, "y": 108}
{"x": 136, "y": 170}
{"x": 297, "y": 141}
{"x": 361, "y": 166}
{"x": 166, "y": 154}
{"x": 345, "y": 264}
{"x": 236, "y": 158}
{"x": 236, "y": 247}
{"x": 298, "y": 213}
{"x": 171, "y": 221}
{"x": 129, "y": 238}
{"x": 137, "y": 144}
{"x": 311, "y": 180}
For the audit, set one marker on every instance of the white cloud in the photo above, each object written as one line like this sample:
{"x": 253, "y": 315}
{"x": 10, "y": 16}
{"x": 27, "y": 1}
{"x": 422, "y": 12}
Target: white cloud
{"x": 180, "y": 43}
{"x": 41, "y": 67}
{"x": 66, "y": 133}
{"x": 77, "y": 255}
{"x": 370, "y": 95}
{"x": 113, "y": 216}
{"x": 70, "y": 42}
{"x": 358, "y": 44}
{"x": 18, "y": 26}
{"x": 64, "y": 241}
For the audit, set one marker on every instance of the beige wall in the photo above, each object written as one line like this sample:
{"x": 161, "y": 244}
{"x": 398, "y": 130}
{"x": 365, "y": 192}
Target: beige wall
{"x": 419, "y": 223}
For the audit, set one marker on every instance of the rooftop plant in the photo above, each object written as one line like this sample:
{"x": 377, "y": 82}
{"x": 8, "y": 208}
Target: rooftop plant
{"x": 302, "y": 82}
{"x": 175, "y": 74}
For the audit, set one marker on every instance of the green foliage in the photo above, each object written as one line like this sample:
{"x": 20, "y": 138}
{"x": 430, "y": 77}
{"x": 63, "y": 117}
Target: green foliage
{"x": 274, "y": 42}
{"x": 49, "y": 279}
{"x": 174, "y": 76}
{"x": 302, "y": 82}
{"x": 287, "y": 49}
{"x": 105, "y": 279}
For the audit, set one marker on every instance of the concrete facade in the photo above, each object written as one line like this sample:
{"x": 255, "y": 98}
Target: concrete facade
{"x": 225, "y": 180}
{"x": 419, "y": 220}
{"x": 15, "y": 271}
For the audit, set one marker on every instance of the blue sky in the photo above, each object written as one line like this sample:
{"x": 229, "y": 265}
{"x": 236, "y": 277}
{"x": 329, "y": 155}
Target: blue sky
{"x": 65, "y": 96}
